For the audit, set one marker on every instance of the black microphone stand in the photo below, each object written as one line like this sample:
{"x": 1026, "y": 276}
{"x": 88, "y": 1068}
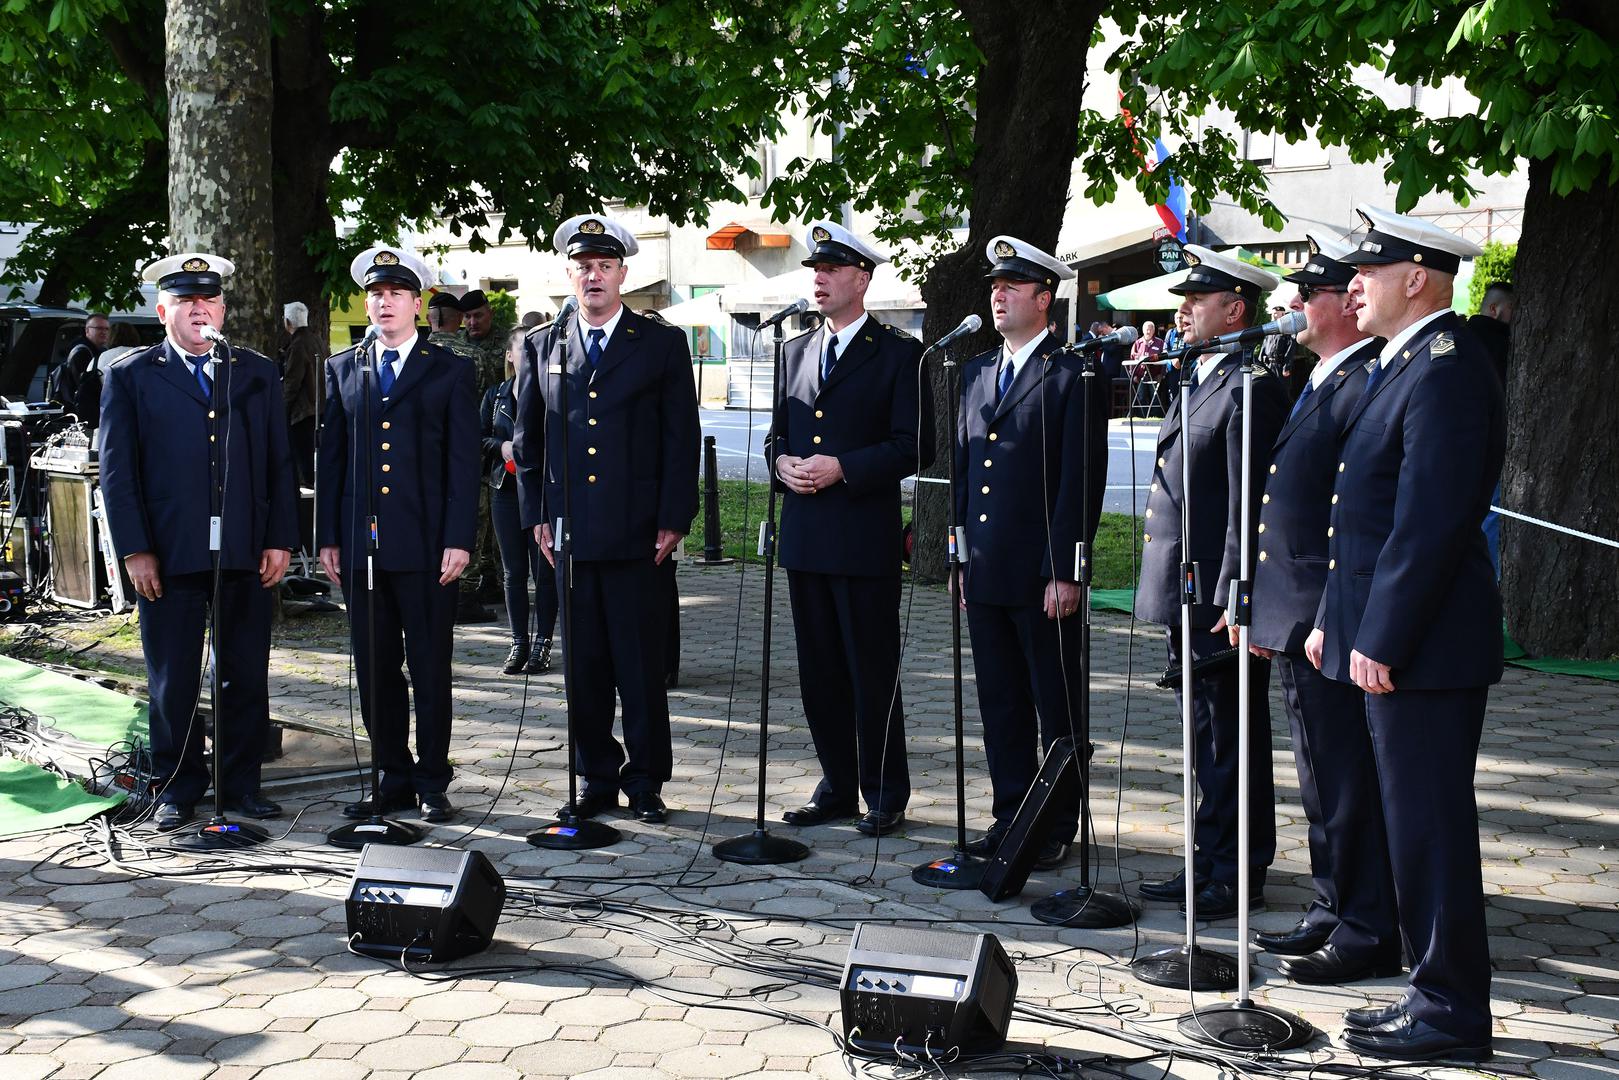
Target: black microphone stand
{"x": 375, "y": 829}
{"x": 220, "y": 832}
{"x": 1083, "y": 906}
{"x": 1187, "y": 966}
{"x": 568, "y": 831}
{"x": 759, "y": 848}
{"x": 1242, "y": 1024}
{"x": 960, "y": 870}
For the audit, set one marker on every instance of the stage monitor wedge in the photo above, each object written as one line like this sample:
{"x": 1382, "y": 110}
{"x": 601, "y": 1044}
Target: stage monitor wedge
{"x": 433, "y": 904}
{"x": 928, "y": 992}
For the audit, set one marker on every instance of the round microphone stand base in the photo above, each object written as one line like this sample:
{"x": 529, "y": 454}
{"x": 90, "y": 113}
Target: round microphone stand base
{"x": 759, "y": 848}
{"x": 706, "y": 561}
{"x": 570, "y": 832}
{"x": 1246, "y": 1027}
{"x": 1183, "y": 968}
{"x": 375, "y": 830}
{"x": 957, "y": 871}
{"x": 1085, "y": 908}
{"x": 221, "y": 834}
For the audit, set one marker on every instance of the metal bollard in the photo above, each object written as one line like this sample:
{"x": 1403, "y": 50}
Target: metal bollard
{"x": 713, "y": 541}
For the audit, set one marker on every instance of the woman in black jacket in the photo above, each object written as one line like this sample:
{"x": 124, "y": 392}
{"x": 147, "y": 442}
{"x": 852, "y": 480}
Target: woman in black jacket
{"x": 520, "y": 555}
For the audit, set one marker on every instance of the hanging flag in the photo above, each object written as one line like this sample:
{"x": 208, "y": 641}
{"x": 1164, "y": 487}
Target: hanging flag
{"x": 1172, "y": 211}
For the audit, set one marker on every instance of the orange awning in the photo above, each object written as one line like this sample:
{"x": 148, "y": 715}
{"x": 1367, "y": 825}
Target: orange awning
{"x": 749, "y": 234}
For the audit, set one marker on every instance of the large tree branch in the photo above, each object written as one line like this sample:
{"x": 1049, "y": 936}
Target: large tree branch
{"x": 140, "y": 59}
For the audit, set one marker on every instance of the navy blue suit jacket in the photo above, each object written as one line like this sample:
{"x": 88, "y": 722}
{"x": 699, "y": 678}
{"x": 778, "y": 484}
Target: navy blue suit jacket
{"x": 1409, "y": 580}
{"x": 868, "y": 415}
{"x": 1021, "y": 491}
{"x": 1293, "y": 516}
{"x": 633, "y": 437}
{"x": 1215, "y": 416}
{"x": 156, "y": 464}
{"x": 425, "y": 453}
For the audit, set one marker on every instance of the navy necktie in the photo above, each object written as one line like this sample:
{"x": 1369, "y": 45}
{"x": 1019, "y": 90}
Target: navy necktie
{"x": 830, "y": 359}
{"x": 1298, "y": 406}
{"x": 593, "y": 350}
{"x": 207, "y": 384}
{"x": 1378, "y": 367}
{"x": 1192, "y": 385}
{"x": 385, "y": 377}
{"x": 1005, "y": 382}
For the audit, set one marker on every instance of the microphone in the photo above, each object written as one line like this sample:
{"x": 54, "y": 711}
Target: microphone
{"x": 970, "y": 325}
{"x": 1288, "y": 324}
{"x": 372, "y": 333}
{"x": 797, "y": 307}
{"x": 210, "y": 333}
{"x": 565, "y": 314}
{"x": 1124, "y": 335}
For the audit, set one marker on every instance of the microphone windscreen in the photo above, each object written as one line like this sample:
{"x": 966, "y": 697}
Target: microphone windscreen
{"x": 1127, "y": 335}
{"x": 972, "y": 324}
{"x": 1291, "y": 323}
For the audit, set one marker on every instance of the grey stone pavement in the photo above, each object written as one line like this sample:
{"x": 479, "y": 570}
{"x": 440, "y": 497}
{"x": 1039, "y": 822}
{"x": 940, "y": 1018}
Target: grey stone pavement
{"x": 109, "y": 972}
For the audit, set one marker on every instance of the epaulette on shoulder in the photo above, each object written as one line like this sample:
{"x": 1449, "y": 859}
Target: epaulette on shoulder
{"x": 1443, "y": 344}
{"x": 143, "y": 353}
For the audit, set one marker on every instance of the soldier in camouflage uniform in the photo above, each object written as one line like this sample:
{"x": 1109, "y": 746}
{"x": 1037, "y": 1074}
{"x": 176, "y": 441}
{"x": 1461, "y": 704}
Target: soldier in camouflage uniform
{"x": 486, "y": 343}
{"x": 443, "y": 322}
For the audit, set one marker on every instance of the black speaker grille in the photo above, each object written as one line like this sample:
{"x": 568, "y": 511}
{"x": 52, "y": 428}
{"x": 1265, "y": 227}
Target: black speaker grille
{"x": 942, "y": 944}
{"x": 393, "y": 857}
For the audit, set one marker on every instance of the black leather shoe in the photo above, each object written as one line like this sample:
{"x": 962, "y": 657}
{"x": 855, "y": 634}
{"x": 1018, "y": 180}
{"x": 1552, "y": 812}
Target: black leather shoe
{"x": 648, "y": 806}
{"x": 1411, "y": 1039}
{"x": 671, "y": 681}
{"x": 171, "y": 816}
{"x": 1373, "y": 1015}
{"x": 1170, "y": 889}
{"x": 987, "y": 845}
{"x": 593, "y": 803}
{"x": 816, "y": 814}
{"x": 1053, "y": 853}
{"x": 1218, "y": 900}
{"x": 1303, "y": 939}
{"x": 539, "y": 661}
{"x": 517, "y": 659}
{"x": 1332, "y": 966}
{"x": 436, "y": 808}
{"x": 880, "y": 822}
{"x": 253, "y": 805}
{"x": 391, "y": 804}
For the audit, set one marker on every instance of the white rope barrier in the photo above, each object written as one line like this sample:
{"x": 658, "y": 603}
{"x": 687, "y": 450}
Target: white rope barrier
{"x": 1556, "y": 527}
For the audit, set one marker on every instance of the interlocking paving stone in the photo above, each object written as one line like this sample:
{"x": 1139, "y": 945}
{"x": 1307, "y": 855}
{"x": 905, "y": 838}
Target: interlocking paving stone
{"x": 250, "y": 976}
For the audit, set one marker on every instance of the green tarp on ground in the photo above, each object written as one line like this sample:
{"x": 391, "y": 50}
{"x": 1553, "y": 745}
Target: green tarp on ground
{"x": 88, "y": 712}
{"x": 32, "y": 799}
{"x": 1123, "y": 601}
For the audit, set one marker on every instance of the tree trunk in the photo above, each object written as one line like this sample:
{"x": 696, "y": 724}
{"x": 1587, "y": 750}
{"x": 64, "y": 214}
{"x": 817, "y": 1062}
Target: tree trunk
{"x": 1025, "y": 140}
{"x": 220, "y": 103}
{"x": 1561, "y": 592}
{"x": 304, "y": 147}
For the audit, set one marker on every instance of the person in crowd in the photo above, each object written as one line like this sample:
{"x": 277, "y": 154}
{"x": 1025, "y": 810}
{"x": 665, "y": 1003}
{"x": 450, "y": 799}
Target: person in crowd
{"x": 1349, "y": 931}
{"x": 1492, "y": 326}
{"x": 1144, "y": 373}
{"x": 187, "y": 440}
{"x": 1022, "y": 446}
{"x": 423, "y": 449}
{"x": 1412, "y": 616}
{"x": 520, "y": 554}
{"x": 633, "y": 444}
{"x": 845, "y": 434}
{"x": 300, "y": 387}
{"x": 76, "y": 383}
{"x": 1222, "y": 294}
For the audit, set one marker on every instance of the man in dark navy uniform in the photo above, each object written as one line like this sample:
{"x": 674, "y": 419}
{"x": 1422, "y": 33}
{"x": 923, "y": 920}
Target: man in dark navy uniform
{"x": 165, "y": 426}
{"x": 633, "y": 442}
{"x": 1411, "y": 615}
{"x": 845, "y": 435}
{"x": 1021, "y": 445}
{"x": 1222, "y": 294}
{"x": 1349, "y": 930}
{"x": 424, "y": 453}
